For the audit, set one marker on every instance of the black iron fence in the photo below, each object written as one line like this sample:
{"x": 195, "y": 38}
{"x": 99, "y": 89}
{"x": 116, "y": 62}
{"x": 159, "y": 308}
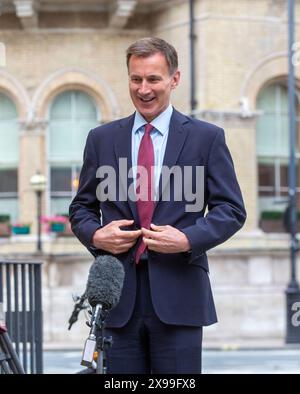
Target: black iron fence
{"x": 21, "y": 295}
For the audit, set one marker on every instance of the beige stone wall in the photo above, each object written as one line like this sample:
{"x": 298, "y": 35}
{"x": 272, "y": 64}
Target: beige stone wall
{"x": 242, "y": 34}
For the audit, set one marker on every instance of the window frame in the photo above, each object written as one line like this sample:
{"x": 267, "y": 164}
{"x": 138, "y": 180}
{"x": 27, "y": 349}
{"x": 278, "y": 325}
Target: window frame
{"x": 75, "y": 165}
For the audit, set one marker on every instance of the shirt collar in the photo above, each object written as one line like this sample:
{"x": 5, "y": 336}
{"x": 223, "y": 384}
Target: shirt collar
{"x": 161, "y": 123}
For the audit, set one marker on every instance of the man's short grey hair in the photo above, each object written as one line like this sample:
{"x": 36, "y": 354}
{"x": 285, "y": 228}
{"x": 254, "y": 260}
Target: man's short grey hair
{"x": 149, "y": 46}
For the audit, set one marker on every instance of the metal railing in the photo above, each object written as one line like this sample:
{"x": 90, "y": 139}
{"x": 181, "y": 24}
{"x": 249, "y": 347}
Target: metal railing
{"x": 21, "y": 295}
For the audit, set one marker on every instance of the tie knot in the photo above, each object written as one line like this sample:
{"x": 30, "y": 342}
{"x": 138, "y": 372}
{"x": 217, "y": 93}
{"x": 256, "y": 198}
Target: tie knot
{"x": 148, "y": 128}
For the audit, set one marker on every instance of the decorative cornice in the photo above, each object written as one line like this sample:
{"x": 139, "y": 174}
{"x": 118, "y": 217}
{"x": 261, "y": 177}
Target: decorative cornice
{"x": 226, "y": 114}
{"x": 35, "y": 125}
{"x": 26, "y": 12}
{"x": 122, "y": 10}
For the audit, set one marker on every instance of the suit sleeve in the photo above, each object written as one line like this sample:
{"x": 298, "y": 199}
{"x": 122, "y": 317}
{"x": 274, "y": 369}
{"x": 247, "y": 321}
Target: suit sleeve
{"x": 85, "y": 208}
{"x": 226, "y": 211}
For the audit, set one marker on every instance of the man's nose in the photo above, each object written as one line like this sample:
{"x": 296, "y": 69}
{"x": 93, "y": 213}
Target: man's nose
{"x": 144, "y": 88}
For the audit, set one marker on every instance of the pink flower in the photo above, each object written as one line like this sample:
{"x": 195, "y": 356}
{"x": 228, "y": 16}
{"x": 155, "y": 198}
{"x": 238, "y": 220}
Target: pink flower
{"x": 54, "y": 219}
{"x": 20, "y": 225}
{"x": 48, "y": 220}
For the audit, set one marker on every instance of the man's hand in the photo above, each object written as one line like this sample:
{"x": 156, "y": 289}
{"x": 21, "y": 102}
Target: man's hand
{"x": 165, "y": 239}
{"x": 115, "y": 240}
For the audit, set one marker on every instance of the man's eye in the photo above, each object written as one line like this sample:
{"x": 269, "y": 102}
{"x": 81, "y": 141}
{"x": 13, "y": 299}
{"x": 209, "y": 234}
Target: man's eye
{"x": 135, "y": 79}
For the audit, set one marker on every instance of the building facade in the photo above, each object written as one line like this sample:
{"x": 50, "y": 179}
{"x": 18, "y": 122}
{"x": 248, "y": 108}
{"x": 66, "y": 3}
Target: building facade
{"x": 63, "y": 71}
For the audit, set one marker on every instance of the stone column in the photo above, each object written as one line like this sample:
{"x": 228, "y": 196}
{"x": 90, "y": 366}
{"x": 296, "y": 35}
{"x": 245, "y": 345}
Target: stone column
{"x": 32, "y": 159}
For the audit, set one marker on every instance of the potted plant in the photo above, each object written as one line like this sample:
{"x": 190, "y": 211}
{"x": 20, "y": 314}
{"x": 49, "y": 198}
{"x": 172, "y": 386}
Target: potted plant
{"x": 5, "y": 226}
{"x": 67, "y": 230}
{"x": 55, "y": 224}
{"x": 20, "y": 228}
{"x": 276, "y": 221}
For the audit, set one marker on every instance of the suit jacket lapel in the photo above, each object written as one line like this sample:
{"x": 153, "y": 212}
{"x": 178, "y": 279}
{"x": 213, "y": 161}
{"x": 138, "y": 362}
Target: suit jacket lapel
{"x": 176, "y": 138}
{"x": 122, "y": 147}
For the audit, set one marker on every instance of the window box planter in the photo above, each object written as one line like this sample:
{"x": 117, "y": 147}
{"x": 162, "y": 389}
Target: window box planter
{"x": 274, "y": 222}
{"x": 5, "y": 230}
{"x": 5, "y": 226}
{"x": 67, "y": 231}
{"x": 20, "y": 229}
{"x": 272, "y": 225}
{"x": 57, "y": 227}
{"x": 55, "y": 224}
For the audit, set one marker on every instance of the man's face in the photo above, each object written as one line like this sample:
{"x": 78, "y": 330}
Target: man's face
{"x": 150, "y": 84}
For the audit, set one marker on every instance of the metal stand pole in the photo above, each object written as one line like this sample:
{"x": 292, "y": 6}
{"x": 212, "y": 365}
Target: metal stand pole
{"x": 39, "y": 230}
{"x": 292, "y": 291}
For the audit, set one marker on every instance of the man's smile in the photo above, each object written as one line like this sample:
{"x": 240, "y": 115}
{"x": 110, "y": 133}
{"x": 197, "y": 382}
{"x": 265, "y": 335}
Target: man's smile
{"x": 146, "y": 100}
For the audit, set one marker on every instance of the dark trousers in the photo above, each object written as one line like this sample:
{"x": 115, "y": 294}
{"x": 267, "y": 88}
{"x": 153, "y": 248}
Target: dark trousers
{"x": 146, "y": 345}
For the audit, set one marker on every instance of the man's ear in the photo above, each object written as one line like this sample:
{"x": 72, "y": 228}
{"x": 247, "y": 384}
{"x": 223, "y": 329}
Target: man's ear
{"x": 175, "y": 79}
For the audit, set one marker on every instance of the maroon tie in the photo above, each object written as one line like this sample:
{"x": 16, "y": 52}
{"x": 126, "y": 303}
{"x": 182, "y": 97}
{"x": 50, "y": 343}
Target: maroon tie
{"x": 145, "y": 204}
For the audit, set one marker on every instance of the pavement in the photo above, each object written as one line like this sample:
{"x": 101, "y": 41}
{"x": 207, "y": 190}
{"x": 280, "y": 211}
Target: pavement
{"x": 240, "y": 361}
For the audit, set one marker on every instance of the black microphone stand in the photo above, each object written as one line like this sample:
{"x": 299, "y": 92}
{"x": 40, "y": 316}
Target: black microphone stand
{"x": 97, "y": 342}
{"x": 102, "y": 343}
{"x": 80, "y": 304}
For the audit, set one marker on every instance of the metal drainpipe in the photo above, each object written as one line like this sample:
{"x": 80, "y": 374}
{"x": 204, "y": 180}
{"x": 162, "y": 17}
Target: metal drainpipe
{"x": 292, "y": 291}
{"x": 193, "y": 101}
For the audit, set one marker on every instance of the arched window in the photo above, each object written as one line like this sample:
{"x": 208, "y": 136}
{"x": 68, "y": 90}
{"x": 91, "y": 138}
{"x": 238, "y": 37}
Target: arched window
{"x": 9, "y": 158}
{"x": 72, "y": 115}
{"x": 272, "y": 143}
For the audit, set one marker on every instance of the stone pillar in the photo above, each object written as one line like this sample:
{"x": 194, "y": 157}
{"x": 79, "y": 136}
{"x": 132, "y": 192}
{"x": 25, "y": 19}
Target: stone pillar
{"x": 32, "y": 159}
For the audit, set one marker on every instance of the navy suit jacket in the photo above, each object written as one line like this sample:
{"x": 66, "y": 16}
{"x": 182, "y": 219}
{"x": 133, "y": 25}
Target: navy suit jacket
{"x": 179, "y": 282}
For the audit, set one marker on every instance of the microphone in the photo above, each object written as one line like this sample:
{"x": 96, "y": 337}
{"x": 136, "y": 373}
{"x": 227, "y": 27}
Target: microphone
{"x": 105, "y": 282}
{"x": 103, "y": 291}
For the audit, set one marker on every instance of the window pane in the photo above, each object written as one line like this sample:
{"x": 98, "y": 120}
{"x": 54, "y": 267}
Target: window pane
{"x": 60, "y": 205}
{"x": 7, "y": 108}
{"x": 266, "y": 174}
{"x": 266, "y": 99}
{"x": 272, "y": 145}
{"x": 272, "y": 125}
{"x": 61, "y": 140}
{"x": 9, "y": 181}
{"x": 9, "y": 147}
{"x": 9, "y": 206}
{"x": 84, "y": 108}
{"x": 267, "y": 203}
{"x": 80, "y": 129}
{"x": 283, "y": 121}
{"x": 283, "y": 135}
{"x": 266, "y": 135}
{"x": 62, "y": 107}
{"x": 72, "y": 115}
{"x": 75, "y": 179}
{"x": 284, "y": 174}
{"x": 61, "y": 179}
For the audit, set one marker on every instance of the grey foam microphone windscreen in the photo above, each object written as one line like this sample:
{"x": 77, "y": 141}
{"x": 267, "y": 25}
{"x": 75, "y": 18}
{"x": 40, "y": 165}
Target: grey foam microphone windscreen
{"x": 105, "y": 282}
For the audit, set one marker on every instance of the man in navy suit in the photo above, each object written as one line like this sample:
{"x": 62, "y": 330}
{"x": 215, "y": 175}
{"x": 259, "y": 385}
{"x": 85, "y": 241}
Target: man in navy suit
{"x": 161, "y": 239}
